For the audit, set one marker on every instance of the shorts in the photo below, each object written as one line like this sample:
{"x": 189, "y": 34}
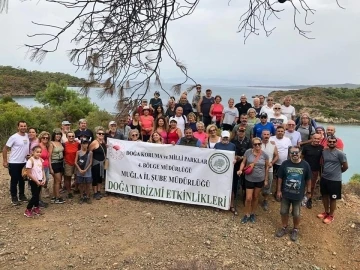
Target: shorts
{"x": 331, "y": 188}
{"x": 275, "y": 169}
{"x": 83, "y": 180}
{"x": 252, "y": 185}
{"x": 267, "y": 189}
{"x": 69, "y": 170}
{"x": 57, "y": 167}
{"x": 314, "y": 178}
{"x": 285, "y": 207}
{"x": 96, "y": 175}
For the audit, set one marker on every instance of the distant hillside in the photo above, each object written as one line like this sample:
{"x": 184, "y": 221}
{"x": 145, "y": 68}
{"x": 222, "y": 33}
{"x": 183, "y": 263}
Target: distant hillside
{"x": 330, "y": 105}
{"x": 15, "y": 81}
{"x": 345, "y": 85}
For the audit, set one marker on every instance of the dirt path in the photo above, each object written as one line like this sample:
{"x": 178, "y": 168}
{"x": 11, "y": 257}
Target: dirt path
{"x": 119, "y": 233}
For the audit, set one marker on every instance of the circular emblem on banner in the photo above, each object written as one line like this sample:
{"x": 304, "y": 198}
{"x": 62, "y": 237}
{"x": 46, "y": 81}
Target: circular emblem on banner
{"x": 219, "y": 163}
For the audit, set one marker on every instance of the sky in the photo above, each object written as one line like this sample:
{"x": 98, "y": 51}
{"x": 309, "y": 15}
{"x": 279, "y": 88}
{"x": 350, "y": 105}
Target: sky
{"x": 208, "y": 44}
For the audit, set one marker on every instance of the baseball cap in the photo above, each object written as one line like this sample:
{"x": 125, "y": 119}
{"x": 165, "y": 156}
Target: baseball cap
{"x": 112, "y": 123}
{"x": 157, "y": 93}
{"x": 207, "y": 90}
{"x": 225, "y": 134}
{"x": 57, "y": 130}
{"x": 263, "y": 114}
{"x": 65, "y": 123}
{"x": 173, "y": 119}
{"x": 84, "y": 140}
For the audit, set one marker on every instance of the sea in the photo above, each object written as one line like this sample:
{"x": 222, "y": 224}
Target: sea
{"x": 347, "y": 133}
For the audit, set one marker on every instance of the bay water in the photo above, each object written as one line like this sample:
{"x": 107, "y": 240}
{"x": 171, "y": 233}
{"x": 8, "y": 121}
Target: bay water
{"x": 347, "y": 133}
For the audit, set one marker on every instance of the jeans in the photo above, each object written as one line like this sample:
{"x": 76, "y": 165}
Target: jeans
{"x": 16, "y": 179}
{"x": 35, "y": 195}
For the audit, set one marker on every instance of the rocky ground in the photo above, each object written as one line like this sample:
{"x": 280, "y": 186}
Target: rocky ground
{"x": 120, "y": 233}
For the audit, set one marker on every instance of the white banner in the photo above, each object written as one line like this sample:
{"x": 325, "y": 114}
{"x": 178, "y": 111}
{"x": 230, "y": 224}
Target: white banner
{"x": 182, "y": 174}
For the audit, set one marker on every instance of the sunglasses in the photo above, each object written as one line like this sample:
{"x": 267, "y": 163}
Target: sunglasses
{"x": 45, "y": 138}
{"x": 212, "y": 130}
{"x": 135, "y": 135}
{"x": 291, "y": 124}
{"x": 71, "y": 136}
{"x": 294, "y": 152}
{"x": 331, "y": 141}
{"x": 277, "y": 108}
{"x": 270, "y": 100}
{"x": 100, "y": 133}
{"x": 256, "y": 144}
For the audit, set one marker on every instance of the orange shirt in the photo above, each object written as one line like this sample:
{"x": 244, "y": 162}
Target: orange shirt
{"x": 70, "y": 150}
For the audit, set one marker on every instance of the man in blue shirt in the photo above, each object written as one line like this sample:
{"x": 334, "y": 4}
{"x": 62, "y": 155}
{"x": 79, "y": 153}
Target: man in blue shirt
{"x": 264, "y": 124}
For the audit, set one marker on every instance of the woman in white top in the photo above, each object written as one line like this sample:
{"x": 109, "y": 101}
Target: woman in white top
{"x": 213, "y": 138}
{"x": 230, "y": 116}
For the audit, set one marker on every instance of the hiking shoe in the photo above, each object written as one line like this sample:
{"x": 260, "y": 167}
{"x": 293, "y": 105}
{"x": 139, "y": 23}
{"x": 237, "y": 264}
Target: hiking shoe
{"x": 59, "y": 201}
{"x": 43, "y": 204}
{"x": 322, "y": 215}
{"x": 98, "y": 196}
{"x": 294, "y": 234}
{"x": 328, "y": 219}
{"x": 28, "y": 213}
{"x": 36, "y": 211}
{"x": 53, "y": 200}
{"x": 87, "y": 200}
{"x": 22, "y": 198}
{"x": 265, "y": 205}
{"x": 281, "y": 232}
{"x": 15, "y": 201}
{"x": 70, "y": 196}
{"x": 245, "y": 219}
{"x": 309, "y": 203}
{"x": 252, "y": 218}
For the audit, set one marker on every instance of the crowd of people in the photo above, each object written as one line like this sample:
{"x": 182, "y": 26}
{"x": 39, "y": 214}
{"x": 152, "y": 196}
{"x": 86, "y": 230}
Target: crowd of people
{"x": 276, "y": 152}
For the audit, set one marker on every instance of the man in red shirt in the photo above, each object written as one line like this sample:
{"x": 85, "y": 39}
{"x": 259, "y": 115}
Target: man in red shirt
{"x": 70, "y": 149}
{"x": 330, "y": 131}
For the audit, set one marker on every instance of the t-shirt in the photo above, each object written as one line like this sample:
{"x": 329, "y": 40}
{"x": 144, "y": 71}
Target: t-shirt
{"x": 45, "y": 155}
{"x": 268, "y": 110}
{"x": 70, "y": 150}
{"x": 282, "y": 146}
{"x": 333, "y": 160}
{"x": 248, "y": 131}
{"x": 146, "y": 121}
{"x": 36, "y": 167}
{"x": 181, "y": 121}
{"x": 202, "y": 137}
{"x": 278, "y": 120}
{"x": 229, "y": 115}
{"x": 19, "y": 148}
{"x": 312, "y": 155}
{"x": 258, "y": 173}
{"x": 294, "y": 177}
{"x": 295, "y": 137}
{"x": 155, "y": 102}
{"x": 288, "y": 111}
{"x": 225, "y": 146}
{"x": 304, "y": 131}
{"x": 259, "y": 127}
{"x": 269, "y": 149}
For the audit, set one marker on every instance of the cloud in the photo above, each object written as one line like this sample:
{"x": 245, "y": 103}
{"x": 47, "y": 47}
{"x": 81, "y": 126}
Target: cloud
{"x": 208, "y": 43}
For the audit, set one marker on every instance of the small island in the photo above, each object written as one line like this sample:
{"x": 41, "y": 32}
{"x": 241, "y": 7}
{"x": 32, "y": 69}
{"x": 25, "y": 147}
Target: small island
{"x": 326, "y": 105}
{"x": 22, "y": 82}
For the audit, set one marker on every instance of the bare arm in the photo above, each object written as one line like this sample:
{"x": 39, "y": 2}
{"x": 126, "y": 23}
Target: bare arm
{"x": 5, "y": 159}
{"x": 211, "y": 110}
{"x": 242, "y": 165}
{"x": 179, "y": 133}
{"x": 266, "y": 172}
{"x": 199, "y": 106}
{"x": 344, "y": 166}
{"x": 275, "y": 157}
{"x": 51, "y": 148}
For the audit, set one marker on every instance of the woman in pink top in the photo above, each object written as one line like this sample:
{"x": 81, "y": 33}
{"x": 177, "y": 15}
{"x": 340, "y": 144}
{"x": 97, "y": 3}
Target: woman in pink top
{"x": 44, "y": 138}
{"x": 146, "y": 123}
{"x": 216, "y": 110}
{"x": 161, "y": 127}
{"x": 200, "y": 134}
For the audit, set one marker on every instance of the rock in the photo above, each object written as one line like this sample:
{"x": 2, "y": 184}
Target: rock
{"x": 353, "y": 225}
{"x": 334, "y": 253}
{"x": 105, "y": 216}
{"x": 32, "y": 248}
{"x": 70, "y": 265}
{"x": 208, "y": 243}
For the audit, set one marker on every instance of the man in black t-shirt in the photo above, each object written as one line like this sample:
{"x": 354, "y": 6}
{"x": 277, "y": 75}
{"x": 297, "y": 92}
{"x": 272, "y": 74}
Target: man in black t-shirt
{"x": 294, "y": 175}
{"x": 243, "y": 106}
{"x": 312, "y": 153}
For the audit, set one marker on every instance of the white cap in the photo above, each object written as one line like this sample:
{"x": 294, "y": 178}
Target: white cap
{"x": 112, "y": 123}
{"x": 225, "y": 133}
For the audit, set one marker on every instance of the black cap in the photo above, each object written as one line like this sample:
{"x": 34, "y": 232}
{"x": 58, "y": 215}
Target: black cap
{"x": 263, "y": 114}
{"x": 157, "y": 93}
{"x": 84, "y": 140}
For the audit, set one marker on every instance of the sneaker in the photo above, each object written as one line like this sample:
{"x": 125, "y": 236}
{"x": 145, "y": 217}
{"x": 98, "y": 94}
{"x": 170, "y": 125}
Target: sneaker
{"x": 281, "y": 232}
{"x": 59, "y": 201}
{"x": 70, "y": 196}
{"x": 22, "y": 198}
{"x": 252, "y": 218}
{"x": 82, "y": 200}
{"x": 15, "y": 201}
{"x": 36, "y": 211}
{"x": 294, "y": 234}
{"x": 265, "y": 205}
{"x": 28, "y": 213}
{"x": 245, "y": 219}
{"x": 53, "y": 200}
{"x": 98, "y": 196}
{"x": 328, "y": 219}
{"x": 322, "y": 215}
{"x": 87, "y": 200}
{"x": 309, "y": 203}
{"x": 43, "y": 204}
